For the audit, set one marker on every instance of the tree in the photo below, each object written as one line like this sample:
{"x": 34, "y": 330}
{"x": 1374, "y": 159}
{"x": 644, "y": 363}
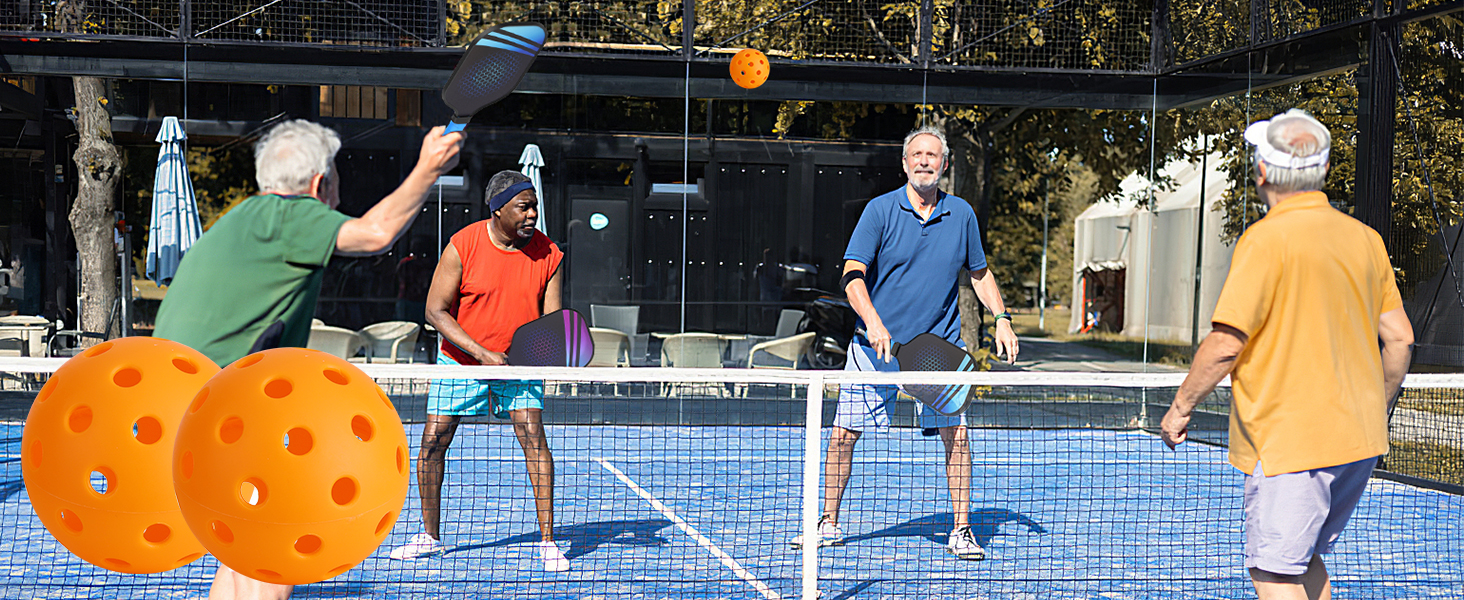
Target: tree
{"x": 98, "y": 166}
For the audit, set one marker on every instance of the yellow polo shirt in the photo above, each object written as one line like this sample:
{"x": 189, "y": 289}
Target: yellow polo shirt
{"x": 1307, "y": 285}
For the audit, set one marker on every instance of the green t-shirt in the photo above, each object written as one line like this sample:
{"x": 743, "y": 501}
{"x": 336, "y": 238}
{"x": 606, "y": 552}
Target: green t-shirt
{"x": 259, "y": 264}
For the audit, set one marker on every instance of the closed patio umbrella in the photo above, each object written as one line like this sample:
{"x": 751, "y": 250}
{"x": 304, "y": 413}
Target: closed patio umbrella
{"x": 174, "y": 226}
{"x": 532, "y": 160}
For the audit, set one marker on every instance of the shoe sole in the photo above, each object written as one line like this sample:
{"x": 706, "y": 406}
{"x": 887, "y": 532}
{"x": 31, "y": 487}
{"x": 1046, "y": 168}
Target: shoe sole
{"x": 821, "y": 544}
{"x": 980, "y": 556}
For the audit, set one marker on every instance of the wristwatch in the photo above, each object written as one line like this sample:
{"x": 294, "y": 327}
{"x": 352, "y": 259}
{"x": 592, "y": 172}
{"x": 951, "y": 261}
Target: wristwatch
{"x": 1003, "y": 315}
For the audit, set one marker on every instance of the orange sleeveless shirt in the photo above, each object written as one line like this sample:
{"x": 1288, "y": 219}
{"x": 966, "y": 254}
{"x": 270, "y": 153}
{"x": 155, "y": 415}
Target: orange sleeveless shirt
{"x": 500, "y": 289}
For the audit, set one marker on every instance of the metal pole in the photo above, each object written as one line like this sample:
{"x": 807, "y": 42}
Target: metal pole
{"x": 812, "y": 506}
{"x": 1042, "y": 289}
{"x": 1199, "y": 248}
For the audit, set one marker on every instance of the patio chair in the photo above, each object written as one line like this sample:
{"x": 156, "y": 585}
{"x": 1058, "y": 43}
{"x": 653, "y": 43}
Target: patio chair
{"x": 788, "y": 321}
{"x": 625, "y": 319}
{"x": 789, "y": 350}
{"x": 612, "y": 348}
{"x": 335, "y": 340}
{"x": 693, "y": 350}
{"x": 390, "y": 341}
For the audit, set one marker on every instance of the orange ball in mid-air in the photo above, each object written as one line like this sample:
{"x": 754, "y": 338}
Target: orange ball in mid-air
{"x": 749, "y": 68}
{"x": 291, "y": 466}
{"x": 97, "y": 449}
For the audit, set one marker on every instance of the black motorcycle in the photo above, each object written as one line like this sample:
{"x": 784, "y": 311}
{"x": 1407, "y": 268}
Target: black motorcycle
{"x": 832, "y": 319}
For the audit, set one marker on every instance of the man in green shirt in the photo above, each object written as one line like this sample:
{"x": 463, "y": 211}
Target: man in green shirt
{"x": 251, "y": 282}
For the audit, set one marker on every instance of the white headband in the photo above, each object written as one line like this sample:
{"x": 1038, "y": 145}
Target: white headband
{"x": 1256, "y": 135}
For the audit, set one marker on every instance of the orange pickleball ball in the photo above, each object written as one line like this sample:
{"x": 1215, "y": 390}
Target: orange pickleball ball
{"x": 749, "y": 68}
{"x": 291, "y": 466}
{"x": 97, "y": 450}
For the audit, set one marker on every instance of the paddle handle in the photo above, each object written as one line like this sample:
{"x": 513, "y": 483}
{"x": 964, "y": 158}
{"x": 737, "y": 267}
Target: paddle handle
{"x": 453, "y": 126}
{"x": 894, "y": 346}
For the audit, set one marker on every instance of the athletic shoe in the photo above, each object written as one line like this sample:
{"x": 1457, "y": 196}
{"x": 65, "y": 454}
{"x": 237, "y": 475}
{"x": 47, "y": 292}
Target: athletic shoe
{"x": 554, "y": 560}
{"x": 421, "y": 545}
{"x": 962, "y": 544}
{"x": 829, "y": 534}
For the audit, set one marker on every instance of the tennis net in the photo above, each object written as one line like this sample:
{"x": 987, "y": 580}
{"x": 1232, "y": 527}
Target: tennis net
{"x": 688, "y": 483}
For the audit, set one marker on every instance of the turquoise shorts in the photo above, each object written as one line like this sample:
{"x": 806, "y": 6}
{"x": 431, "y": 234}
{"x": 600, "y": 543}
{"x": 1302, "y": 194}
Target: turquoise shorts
{"x": 465, "y": 397}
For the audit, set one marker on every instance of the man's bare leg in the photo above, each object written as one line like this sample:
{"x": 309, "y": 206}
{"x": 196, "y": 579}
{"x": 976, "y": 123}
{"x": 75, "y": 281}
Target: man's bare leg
{"x": 437, "y": 435}
{"x": 837, "y": 465}
{"x": 229, "y": 585}
{"x": 1314, "y": 584}
{"x": 958, "y": 472}
{"x": 528, "y": 426}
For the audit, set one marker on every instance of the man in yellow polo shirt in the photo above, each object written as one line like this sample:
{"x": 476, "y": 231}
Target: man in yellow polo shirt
{"x": 1309, "y": 296}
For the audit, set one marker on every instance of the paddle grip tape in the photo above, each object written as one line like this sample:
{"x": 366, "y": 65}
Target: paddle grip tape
{"x": 453, "y": 126}
{"x": 502, "y": 198}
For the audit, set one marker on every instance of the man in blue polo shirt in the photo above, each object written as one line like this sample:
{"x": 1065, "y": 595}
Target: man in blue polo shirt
{"x": 906, "y": 260}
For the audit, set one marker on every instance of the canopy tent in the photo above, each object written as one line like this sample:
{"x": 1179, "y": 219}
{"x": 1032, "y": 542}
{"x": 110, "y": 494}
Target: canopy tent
{"x": 1141, "y": 263}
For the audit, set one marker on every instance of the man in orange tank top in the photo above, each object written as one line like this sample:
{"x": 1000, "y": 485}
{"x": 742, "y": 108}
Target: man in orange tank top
{"x": 496, "y": 275}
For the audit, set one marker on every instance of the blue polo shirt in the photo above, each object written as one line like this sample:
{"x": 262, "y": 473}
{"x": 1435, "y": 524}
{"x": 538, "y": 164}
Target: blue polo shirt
{"x": 915, "y": 265}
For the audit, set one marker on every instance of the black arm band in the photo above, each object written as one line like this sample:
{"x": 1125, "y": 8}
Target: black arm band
{"x": 849, "y": 278}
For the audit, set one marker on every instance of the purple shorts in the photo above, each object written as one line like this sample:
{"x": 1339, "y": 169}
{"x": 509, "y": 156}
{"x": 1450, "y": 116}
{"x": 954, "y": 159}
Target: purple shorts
{"x": 1293, "y": 516}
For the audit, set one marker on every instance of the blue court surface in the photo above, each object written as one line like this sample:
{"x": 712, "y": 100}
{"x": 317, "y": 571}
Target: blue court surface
{"x": 707, "y": 512}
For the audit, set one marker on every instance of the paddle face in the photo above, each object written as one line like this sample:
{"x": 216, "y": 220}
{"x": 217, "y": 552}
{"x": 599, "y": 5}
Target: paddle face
{"x": 930, "y": 352}
{"x": 558, "y": 339}
{"x": 490, "y": 69}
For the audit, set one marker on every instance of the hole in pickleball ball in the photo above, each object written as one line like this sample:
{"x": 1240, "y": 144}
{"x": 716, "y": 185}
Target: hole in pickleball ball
{"x": 307, "y": 544}
{"x": 253, "y": 492}
{"x": 344, "y": 491}
{"x": 278, "y": 388}
{"x": 336, "y": 376}
{"x": 361, "y": 426}
{"x": 231, "y": 430}
{"x": 101, "y": 480}
{"x": 157, "y": 533}
{"x": 147, "y": 430}
{"x": 127, "y": 377}
{"x": 79, "y": 419}
{"x": 222, "y": 532}
{"x": 71, "y": 521}
{"x": 299, "y": 441}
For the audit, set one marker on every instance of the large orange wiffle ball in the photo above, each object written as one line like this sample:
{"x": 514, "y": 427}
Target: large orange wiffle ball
{"x": 749, "y": 68}
{"x": 291, "y": 466}
{"x": 97, "y": 449}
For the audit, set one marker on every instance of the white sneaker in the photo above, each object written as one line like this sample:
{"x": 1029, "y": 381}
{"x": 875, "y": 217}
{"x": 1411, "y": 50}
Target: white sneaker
{"x": 554, "y": 560}
{"x": 829, "y": 534}
{"x": 421, "y": 545}
{"x": 962, "y": 544}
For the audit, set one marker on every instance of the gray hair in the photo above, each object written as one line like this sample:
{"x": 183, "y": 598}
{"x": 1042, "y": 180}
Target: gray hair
{"x": 945, "y": 149}
{"x": 1298, "y": 134}
{"x": 292, "y": 153}
{"x": 502, "y": 180}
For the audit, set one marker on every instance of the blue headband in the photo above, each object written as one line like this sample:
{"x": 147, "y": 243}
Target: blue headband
{"x": 502, "y": 198}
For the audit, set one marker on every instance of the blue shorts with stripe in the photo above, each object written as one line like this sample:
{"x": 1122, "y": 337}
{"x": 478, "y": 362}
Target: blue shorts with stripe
{"x": 466, "y": 397}
{"x": 864, "y": 406}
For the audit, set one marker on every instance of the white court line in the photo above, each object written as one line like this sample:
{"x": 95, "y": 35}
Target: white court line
{"x": 726, "y": 559}
{"x": 935, "y": 459}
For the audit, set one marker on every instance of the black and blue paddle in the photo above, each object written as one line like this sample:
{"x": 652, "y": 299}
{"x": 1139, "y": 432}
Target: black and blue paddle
{"x": 490, "y": 70}
{"x": 558, "y": 339}
{"x": 930, "y": 352}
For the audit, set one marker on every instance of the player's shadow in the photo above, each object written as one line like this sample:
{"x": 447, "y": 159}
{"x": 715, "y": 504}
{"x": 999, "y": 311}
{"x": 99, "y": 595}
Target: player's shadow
{"x": 985, "y": 523}
{"x": 585, "y": 538}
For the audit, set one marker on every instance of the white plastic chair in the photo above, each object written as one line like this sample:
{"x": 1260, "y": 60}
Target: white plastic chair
{"x": 335, "y": 340}
{"x": 788, "y": 349}
{"x": 693, "y": 350}
{"x": 390, "y": 341}
{"x": 625, "y": 319}
{"x": 612, "y": 348}
{"x": 788, "y": 320}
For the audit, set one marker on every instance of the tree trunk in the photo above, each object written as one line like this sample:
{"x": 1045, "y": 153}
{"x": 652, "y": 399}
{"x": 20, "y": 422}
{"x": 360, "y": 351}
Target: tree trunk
{"x": 98, "y": 166}
{"x": 969, "y": 177}
{"x": 92, "y": 219}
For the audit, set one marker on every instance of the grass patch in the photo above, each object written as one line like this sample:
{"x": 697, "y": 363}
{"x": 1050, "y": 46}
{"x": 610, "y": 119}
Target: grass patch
{"x": 1427, "y": 460}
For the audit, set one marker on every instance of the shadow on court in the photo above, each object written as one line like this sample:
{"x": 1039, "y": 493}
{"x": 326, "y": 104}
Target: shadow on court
{"x": 854, "y": 591}
{"x": 585, "y": 538}
{"x": 985, "y": 523}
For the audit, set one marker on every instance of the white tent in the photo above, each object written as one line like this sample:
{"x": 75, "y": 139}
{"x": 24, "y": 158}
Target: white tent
{"x": 1155, "y": 251}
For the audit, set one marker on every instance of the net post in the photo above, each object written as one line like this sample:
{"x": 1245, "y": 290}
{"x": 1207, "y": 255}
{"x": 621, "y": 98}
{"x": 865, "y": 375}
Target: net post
{"x": 812, "y": 424}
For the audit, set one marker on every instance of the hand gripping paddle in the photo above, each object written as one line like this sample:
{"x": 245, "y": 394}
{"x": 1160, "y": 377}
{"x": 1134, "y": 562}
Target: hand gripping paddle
{"x": 930, "y": 352}
{"x": 490, "y": 70}
{"x": 558, "y": 339}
